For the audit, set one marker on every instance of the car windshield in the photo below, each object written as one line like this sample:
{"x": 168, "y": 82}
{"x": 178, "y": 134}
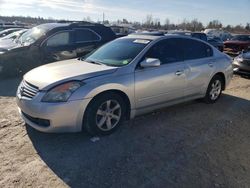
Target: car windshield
{"x": 241, "y": 37}
{"x": 32, "y": 35}
{"x": 119, "y": 52}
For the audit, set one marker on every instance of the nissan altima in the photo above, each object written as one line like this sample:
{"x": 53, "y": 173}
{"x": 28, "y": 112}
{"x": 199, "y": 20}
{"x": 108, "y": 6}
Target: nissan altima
{"x": 124, "y": 78}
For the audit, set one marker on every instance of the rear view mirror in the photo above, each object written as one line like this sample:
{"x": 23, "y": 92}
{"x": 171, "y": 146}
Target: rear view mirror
{"x": 150, "y": 62}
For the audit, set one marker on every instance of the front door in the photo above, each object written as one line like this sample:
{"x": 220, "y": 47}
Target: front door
{"x": 156, "y": 85}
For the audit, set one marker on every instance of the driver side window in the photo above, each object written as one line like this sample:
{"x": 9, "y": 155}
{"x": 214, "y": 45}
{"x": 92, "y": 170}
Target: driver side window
{"x": 167, "y": 51}
{"x": 58, "y": 39}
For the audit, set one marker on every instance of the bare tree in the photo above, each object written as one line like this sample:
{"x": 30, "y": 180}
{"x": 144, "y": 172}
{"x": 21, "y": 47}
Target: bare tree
{"x": 214, "y": 24}
{"x": 149, "y": 21}
{"x": 167, "y": 24}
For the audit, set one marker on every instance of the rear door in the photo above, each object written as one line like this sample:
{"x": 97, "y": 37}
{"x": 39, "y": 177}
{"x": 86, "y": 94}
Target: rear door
{"x": 198, "y": 57}
{"x": 156, "y": 85}
{"x": 86, "y": 40}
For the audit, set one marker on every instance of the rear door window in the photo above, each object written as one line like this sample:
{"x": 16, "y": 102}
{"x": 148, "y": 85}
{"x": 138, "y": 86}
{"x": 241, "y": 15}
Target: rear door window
{"x": 85, "y": 35}
{"x": 194, "y": 49}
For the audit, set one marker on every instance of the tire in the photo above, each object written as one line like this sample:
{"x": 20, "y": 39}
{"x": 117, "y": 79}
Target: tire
{"x": 104, "y": 114}
{"x": 214, "y": 90}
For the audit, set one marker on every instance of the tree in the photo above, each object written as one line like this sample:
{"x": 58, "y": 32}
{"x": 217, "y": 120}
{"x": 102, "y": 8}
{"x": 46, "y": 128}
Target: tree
{"x": 195, "y": 25}
{"x": 167, "y": 24}
{"x": 247, "y": 26}
{"x": 214, "y": 24}
{"x": 87, "y": 19}
{"x": 149, "y": 21}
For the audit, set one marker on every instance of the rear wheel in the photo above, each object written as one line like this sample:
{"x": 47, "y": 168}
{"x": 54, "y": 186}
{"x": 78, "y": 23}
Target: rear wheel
{"x": 214, "y": 90}
{"x": 104, "y": 114}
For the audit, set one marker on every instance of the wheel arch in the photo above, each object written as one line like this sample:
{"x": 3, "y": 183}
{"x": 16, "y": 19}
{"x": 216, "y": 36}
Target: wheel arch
{"x": 120, "y": 93}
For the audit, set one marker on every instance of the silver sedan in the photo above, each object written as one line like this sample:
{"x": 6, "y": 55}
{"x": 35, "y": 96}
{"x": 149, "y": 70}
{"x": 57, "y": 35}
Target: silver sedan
{"x": 122, "y": 79}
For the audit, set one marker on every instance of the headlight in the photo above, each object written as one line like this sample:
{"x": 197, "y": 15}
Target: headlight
{"x": 62, "y": 92}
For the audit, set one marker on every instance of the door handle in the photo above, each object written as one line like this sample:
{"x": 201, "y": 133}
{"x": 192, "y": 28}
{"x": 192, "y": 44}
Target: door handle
{"x": 178, "y": 73}
{"x": 210, "y": 64}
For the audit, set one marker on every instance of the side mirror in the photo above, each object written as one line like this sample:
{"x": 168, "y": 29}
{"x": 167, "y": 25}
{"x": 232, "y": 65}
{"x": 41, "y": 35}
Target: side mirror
{"x": 150, "y": 62}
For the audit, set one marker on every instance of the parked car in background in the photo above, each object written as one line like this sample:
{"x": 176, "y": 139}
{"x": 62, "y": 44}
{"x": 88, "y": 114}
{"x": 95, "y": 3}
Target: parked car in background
{"x": 216, "y": 42}
{"x": 241, "y": 63}
{"x": 127, "y": 77}
{"x": 122, "y": 30}
{"x": 9, "y": 41}
{"x": 52, "y": 42}
{"x": 9, "y": 25}
{"x": 237, "y": 44}
{"x": 218, "y": 33}
{"x": 199, "y": 35}
{"x": 8, "y": 31}
{"x": 150, "y": 33}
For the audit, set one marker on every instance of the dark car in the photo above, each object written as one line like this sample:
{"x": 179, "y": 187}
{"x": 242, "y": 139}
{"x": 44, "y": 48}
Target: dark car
{"x": 52, "y": 42}
{"x": 199, "y": 35}
{"x": 241, "y": 63}
{"x": 216, "y": 42}
{"x": 9, "y": 31}
{"x": 238, "y": 43}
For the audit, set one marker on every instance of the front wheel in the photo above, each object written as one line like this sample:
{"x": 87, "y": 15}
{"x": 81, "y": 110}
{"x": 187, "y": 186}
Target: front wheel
{"x": 214, "y": 90}
{"x": 104, "y": 114}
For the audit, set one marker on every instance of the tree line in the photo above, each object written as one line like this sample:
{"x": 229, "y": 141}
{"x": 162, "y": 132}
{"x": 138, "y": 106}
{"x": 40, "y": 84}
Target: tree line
{"x": 149, "y": 23}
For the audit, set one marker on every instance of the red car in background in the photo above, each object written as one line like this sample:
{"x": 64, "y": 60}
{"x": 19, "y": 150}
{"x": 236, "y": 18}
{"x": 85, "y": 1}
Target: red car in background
{"x": 237, "y": 44}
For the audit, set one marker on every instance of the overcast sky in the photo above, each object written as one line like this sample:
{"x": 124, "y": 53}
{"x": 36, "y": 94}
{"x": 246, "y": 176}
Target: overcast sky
{"x": 227, "y": 11}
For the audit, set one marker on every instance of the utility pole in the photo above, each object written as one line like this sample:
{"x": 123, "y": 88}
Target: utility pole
{"x": 103, "y": 17}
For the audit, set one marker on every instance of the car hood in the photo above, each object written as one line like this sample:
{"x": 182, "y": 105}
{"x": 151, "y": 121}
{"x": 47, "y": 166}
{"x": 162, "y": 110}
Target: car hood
{"x": 47, "y": 76}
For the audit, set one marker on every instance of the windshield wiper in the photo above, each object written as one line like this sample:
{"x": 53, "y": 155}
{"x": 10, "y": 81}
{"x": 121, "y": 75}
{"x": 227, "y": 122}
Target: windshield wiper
{"x": 94, "y": 62}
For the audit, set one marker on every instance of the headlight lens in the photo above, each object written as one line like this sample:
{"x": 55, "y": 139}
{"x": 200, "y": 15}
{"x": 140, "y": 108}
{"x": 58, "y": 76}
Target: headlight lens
{"x": 62, "y": 92}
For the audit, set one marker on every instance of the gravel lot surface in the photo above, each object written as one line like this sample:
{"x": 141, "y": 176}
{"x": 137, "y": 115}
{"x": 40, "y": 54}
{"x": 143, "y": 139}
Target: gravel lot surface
{"x": 187, "y": 145}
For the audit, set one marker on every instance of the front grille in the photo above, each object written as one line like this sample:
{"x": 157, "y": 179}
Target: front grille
{"x": 28, "y": 90}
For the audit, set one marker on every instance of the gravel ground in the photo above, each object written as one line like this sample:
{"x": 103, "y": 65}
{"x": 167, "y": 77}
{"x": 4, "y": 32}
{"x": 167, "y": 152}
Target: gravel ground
{"x": 187, "y": 145}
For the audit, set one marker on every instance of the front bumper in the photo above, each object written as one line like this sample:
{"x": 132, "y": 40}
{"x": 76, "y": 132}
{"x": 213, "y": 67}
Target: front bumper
{"x": 62, "y": 117}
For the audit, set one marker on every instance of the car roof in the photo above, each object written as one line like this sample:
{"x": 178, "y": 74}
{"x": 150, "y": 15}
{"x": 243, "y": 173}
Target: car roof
{"x": 145, "y": 37}
{"x": 50, "y": 26}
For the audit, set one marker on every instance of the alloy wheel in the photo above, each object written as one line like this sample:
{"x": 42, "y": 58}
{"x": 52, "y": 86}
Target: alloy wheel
{"x": 215, "y": 90}
{"x": 108, "y": 115}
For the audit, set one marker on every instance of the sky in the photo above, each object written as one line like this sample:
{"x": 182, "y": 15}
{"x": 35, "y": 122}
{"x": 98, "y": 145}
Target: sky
{"x": 227, "y": 11}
